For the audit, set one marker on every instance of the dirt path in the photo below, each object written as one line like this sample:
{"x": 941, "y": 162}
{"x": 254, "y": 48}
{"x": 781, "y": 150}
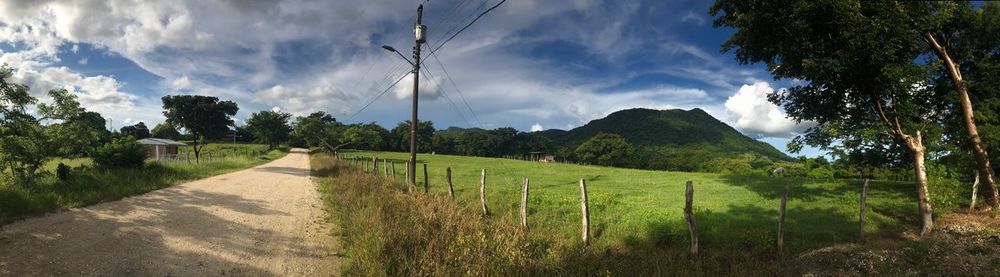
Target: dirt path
{"x": 263, "y": 221}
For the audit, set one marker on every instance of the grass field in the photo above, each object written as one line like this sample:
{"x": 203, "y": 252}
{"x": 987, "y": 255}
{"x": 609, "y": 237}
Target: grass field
{"x": 645, "y": 207}
{"x": 88, "y": 185}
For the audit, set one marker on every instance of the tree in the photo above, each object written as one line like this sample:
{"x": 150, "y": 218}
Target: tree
{"x": 607, "y": 150}
{"x": 320, "y": 129}
{"x": 74, "y": 131}
{"x": 165, "y": 130}
{"x": 860, "y": 62}
{"x": 967, "y": 46}
{"x": 23, "y": 144}
{"x": 401, "y": 136}
{"x": 138, "y": 131}
{"x": 204, "y": 117}
{"x": 270, "y": 127}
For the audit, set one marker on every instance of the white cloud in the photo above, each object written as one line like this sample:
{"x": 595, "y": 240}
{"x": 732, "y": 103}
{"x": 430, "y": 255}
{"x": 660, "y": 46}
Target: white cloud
{"x": 429, "y": 90}
{"x": 691, "y": 16}
{"x": 82, "y": 61}
{"x": 536, "y": 127}
{"x": 276, "y": 109}
{"x": 756, "y": 116}
{"x": 181, "y": 83}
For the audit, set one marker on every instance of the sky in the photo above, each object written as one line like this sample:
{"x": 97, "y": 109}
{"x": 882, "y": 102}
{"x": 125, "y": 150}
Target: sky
{"x": 528, "y": 64}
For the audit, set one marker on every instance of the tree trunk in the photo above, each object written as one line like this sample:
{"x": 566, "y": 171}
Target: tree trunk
{"x": 915, "y": 144}
{"x": 975, "y": 190}
{"x": 982, "y": 158}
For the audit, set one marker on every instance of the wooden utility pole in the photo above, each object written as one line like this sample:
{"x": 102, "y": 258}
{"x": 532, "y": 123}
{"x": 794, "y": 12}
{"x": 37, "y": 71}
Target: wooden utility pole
{"x": 418, "y": 30}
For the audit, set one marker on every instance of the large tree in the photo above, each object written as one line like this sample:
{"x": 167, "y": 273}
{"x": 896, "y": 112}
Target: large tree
{"x": 138, "y": 131}
{"x": 320, "y": 129}
{"x": 606, "y": 149}
{"x": 23, "y": 143}
{"x": 400, "y": 136}
{"x": 74, "y": 130}
{"x": 270, "y": 127}
{"x": 966, "y": 43}
{"x": 165, "y": 130}
{"x": 860, "y": 65}
{"x": 204, "y": 117}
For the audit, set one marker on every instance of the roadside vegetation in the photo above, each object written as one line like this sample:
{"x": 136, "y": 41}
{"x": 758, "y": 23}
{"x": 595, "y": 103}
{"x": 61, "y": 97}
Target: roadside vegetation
{"x": 87, "y": 184}
{"x": 636, "y": 219}
{"x": 57, "y": 154}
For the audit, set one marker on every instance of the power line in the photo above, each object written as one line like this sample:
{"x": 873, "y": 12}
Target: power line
{"x": 460, "y": 94}
{"x": 467, "y": 25}
{"x": 377, "y": 97}
{"x": 441, "y": 89}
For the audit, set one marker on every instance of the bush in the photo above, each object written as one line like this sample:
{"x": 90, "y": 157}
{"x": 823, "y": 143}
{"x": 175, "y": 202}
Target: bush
{"x": 820, "y": 173}
{"x": 120, "y": 153}
{"x": 62, "y": 171}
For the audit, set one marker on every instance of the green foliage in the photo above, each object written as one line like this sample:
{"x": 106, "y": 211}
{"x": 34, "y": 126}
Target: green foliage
{"x": 138, "y": 131}
{"x": 607, "y": 150}
{"x": 399, "y": 137}
{"x": 270, "y": 127}
{"x": 820, "y": 173}
{"x": 120, "y": 153}
{"x": 90, "y": 185}
{"x": 318, "y": 129}
{"x": 204, "y": 117}
{"x": 62, "y": 172}
{"x": 636, "y": 218}
{"x": 165, "y": 130}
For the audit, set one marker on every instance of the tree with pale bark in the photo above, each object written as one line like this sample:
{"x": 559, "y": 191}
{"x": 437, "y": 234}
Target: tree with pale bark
{"x": 864, "y": 81}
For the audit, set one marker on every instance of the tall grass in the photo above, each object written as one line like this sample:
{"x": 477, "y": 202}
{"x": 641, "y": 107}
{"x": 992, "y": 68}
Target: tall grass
{"x": 386, "y": 231}
{"x": 88, "y": 185}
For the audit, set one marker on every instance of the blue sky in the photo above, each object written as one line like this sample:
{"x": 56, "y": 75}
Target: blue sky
{"x": 530, "y": 64}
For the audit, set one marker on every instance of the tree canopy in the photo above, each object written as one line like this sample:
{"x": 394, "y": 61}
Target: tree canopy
{"x": 270, "y": 127}
{"x": 204, "y": 117}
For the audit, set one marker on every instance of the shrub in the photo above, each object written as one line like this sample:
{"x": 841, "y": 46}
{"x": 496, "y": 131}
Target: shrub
{"x": 820, "y": 173}
{"x": 62, "y": 171}
{"x": 120, "y": 153}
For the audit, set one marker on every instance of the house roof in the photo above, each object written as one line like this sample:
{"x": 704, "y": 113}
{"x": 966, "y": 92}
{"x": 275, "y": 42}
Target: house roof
{"x": 160, "y": 141}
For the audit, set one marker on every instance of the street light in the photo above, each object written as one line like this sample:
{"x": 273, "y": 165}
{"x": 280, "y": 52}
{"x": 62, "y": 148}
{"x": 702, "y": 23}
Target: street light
{"x": 419, "y": 31}
{"x": 390, "y": 49}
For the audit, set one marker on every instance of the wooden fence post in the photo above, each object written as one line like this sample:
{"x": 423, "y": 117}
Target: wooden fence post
{"x": 394, "y": 170}
{"x": 482, "y": 192}
{"x": 781, "y": 219}
{"x": 451, "y": 189}
{"x": 524, "y": 204}
{"x": 692, "y": 224}
{"x": 586, "y": 212}
{"x": 385, "y": 165}
{"x": 861, "y": 216}
{"x": 375, "y": 166}
{"x": 975, "y": 188}
{"x": 409, "y": 185}
{"x": 427, "y": 186}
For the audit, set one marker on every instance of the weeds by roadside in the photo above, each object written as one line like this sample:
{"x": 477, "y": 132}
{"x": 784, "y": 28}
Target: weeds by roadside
{"x": 88, "y": 185}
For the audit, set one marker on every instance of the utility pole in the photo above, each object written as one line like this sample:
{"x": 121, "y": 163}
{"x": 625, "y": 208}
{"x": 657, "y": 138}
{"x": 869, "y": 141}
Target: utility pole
{"x": 419, "y": 31}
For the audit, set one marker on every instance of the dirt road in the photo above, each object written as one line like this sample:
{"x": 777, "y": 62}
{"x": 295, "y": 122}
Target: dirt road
{"x": 263, "y": 221}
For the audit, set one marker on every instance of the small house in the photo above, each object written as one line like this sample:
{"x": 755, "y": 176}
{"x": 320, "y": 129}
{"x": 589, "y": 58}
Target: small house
{"x": 158, "y": 148}
{"x": 542, "y": 157}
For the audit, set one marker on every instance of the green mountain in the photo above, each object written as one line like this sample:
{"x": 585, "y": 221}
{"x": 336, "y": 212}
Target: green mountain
{"x": 667, "y": 128}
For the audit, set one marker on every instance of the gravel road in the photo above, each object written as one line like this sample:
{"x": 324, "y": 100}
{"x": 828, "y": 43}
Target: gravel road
{"x": 263, "y": 221}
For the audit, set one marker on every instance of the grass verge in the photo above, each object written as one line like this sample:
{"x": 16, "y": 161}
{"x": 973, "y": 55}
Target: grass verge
{"x": 386, "y": 231}
{"x": 88, "y": 185}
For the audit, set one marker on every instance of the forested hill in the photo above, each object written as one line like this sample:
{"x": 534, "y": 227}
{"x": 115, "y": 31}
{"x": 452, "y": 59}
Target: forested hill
{"x": 667, "y": 128}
